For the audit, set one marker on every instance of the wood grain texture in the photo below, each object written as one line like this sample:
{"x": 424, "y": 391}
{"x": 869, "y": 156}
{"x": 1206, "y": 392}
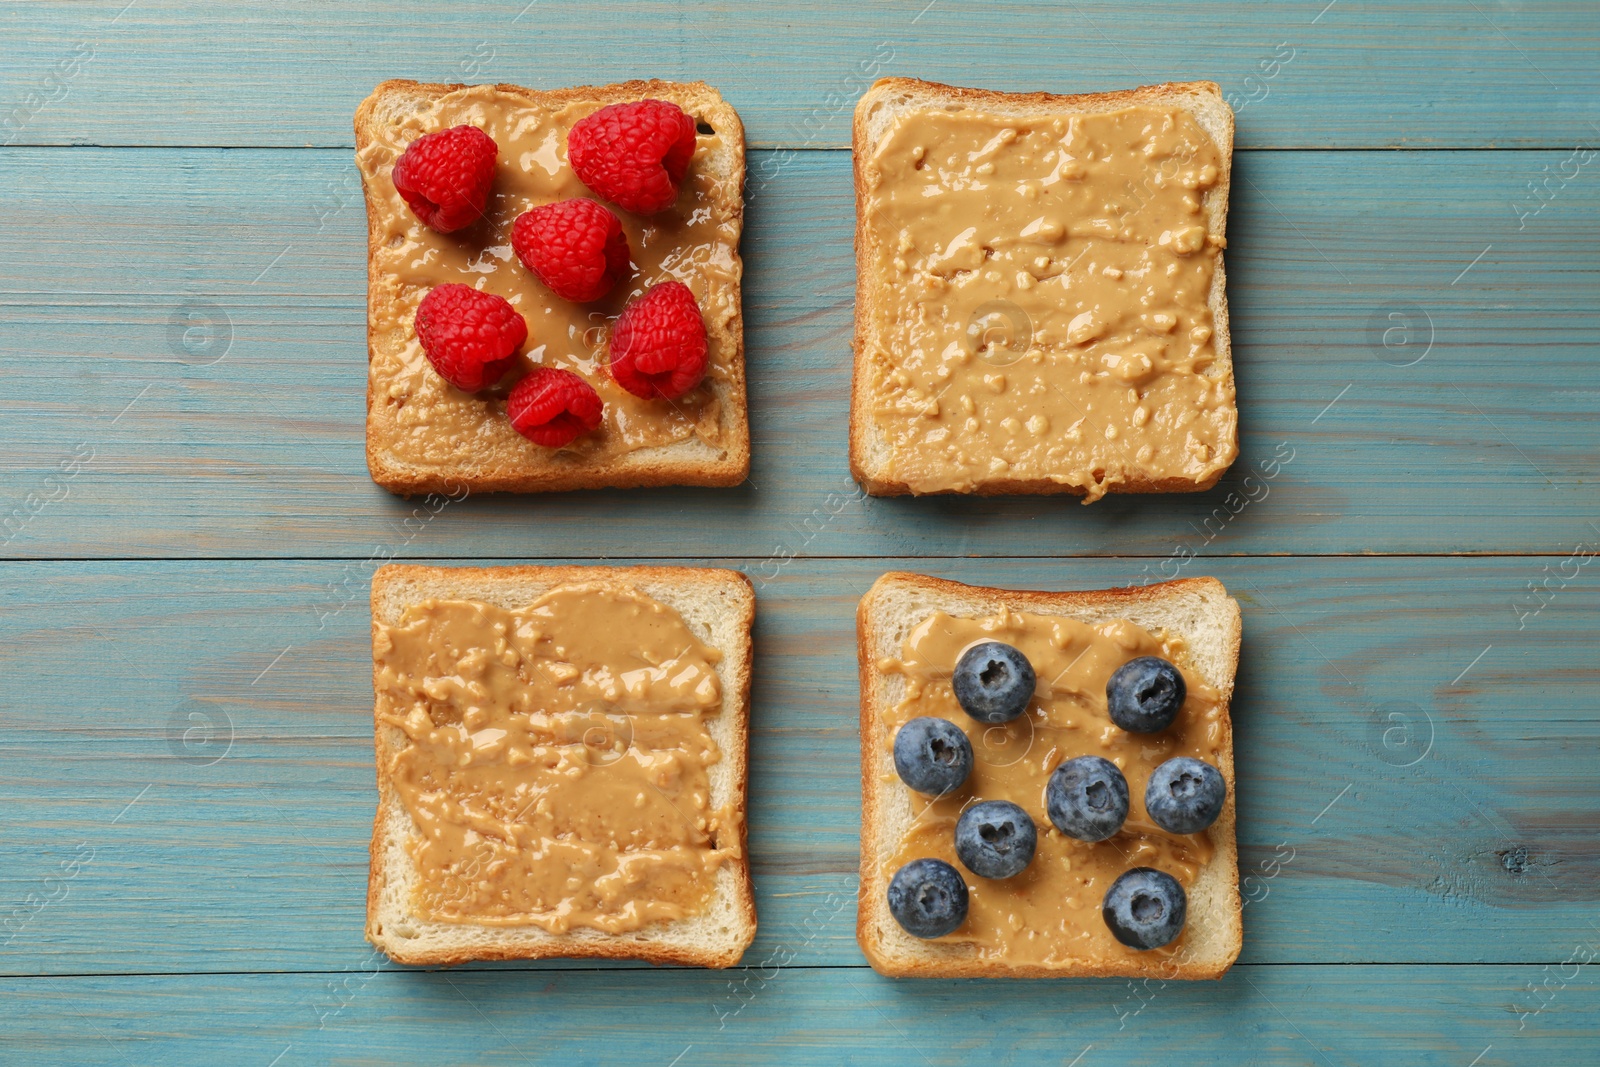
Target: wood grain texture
{"x": 1402, "y": 799}
{"x": 247, "y": 440}
{"x": 1358, "y": 74}
{"x": 186, "y": 777}
{"x": 1254, "y": 1017}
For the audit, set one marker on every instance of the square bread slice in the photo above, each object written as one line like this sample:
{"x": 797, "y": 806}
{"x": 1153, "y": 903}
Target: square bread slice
{"x": 997, "y": 289}
{"x": 718, "y": 606}
{"x": 1196, "y": 610}
{"x": 423, "y": 434}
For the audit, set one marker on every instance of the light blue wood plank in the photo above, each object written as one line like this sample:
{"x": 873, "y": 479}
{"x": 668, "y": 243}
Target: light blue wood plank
{"x": 1254, "y": 1017}
{"x": 1350, "y": 74}
{"x": 1467, "y": 839}
{"x": 1487, "y": 444}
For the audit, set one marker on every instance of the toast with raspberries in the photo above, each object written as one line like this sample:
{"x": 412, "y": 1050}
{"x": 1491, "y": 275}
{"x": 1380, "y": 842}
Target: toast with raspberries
{"x": 590, "y": 235}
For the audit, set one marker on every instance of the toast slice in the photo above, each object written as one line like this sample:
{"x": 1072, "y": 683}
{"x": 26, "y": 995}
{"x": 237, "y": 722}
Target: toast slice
{"x": 1047, "y": 432}
{"x": 718, "y": 608}
{"x": 424, "y": 435}
{"x": 1198, "y": 612}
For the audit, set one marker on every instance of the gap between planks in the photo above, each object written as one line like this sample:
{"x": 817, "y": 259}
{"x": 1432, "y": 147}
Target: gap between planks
{"x": 774, "y": 146}
{"x": 1486, "y": 554}
{"x": 470, "y": 968}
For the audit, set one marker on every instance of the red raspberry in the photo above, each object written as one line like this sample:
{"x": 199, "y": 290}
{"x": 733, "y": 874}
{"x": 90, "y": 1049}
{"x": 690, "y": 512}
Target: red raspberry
{"x": 633, "y": 155}
{"x": 551, "y": 407}
{"x": 445, "y": 176}
{"x": 576, "y": 247}
{"x": 471, "y": 338}
{"x": 658, "y": 347}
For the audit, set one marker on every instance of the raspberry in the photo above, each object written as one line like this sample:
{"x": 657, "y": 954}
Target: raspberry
{"x": 576, "y": 247}
{"x": 551, "y": 407}
{"x": 445, "y": 176}
{"x": 471, "y": 338}
{"x": 633, "y": 155}
{"x": 658, "y": 347}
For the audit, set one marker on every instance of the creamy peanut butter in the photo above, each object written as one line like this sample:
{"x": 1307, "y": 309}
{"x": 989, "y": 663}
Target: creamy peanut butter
{"x": 1045, "y": 312}
{"x": 1049, "y": 913}
{"x": 555, "y": 759}
{"x": 695, "y": 242}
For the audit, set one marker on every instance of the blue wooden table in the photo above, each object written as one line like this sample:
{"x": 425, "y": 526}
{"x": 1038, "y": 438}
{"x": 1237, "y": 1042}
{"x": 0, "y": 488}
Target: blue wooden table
{"x": 188, "y": 531}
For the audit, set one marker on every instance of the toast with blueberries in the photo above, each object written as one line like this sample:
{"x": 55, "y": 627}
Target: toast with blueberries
{"x": 1047, "y": 781}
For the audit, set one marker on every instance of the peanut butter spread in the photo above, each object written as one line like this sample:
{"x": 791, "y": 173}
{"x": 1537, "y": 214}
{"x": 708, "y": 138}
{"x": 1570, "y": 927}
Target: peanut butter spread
{"x": 555, "y": 759}
{"x": 695, "y": 242}
{"x": 1045, "y": 312}
{"x": 1050, "y": 913}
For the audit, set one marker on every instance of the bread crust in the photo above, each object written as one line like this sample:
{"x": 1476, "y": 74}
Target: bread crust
{"x": 646, "y": 467}
{"x": 861, "y": 145}
{"x": 602, "y": 946}
{"x": 1104, "y": 603}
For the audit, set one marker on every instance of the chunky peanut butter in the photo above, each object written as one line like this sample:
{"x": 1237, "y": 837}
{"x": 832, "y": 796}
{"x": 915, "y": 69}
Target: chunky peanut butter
{"x": 695, "y": 242}
{"x": 555, "y": 759}
{"x": 1044, "y": 307}
{"x": 1049, "y": 913}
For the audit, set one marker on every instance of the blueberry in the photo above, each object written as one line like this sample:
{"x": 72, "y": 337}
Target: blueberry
{"x": 1144, "y": 695}
{"x": 1087, "y": 798}
{"x": 1145, "y": 908}
{"x": 928, "y": 897}
{"x": 932, "y": 755}
{"x": 993, "y": 682}
{"x": 995, "y": 839}
{"x": 1184, "y": 795}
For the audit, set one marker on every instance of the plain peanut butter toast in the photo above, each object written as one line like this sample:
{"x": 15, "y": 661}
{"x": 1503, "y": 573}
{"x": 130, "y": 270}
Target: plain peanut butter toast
{"x": 1040, "y": 300}
{"x": 1047, "y": 781}
{"x": 553, "y": 287}
{"x": 562, "y": 760}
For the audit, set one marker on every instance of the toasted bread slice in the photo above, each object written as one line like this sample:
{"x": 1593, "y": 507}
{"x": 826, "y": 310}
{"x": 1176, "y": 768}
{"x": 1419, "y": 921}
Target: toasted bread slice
{"x": 1197, "y": 610}
{"x": 423, "y": 435}
{"x": 718, "y": 606}
{"x": 876, "y": 115}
